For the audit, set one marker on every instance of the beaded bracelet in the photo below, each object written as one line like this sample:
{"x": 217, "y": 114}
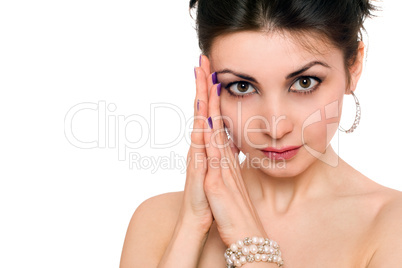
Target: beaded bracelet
{"x": 253, "y": 249}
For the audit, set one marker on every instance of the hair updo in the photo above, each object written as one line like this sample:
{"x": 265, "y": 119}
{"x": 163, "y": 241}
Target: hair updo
{"x": 340, "y": 21}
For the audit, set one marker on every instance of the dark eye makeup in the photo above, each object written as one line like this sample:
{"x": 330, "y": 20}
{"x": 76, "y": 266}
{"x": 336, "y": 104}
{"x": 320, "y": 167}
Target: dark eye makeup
{"x": 240, "y": 87}
{"x": 302, "y": 85}
{"x": 305, "y": 84}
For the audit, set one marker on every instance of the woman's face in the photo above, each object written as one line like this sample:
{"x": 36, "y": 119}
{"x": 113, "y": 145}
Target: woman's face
{"x": 279, "y": 94}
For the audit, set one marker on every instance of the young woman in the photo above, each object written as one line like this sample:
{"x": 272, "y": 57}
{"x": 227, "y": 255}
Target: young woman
{"x": 273, "y": 74}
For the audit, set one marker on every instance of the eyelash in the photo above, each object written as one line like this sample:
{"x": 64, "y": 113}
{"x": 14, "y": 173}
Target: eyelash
{"x": 319, "y": 81}
{"x": 235, "y": 95}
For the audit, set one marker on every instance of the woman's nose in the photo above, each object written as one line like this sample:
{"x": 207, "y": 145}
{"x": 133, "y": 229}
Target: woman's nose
{"x": 280, "y": 125}
{"x": 278, "y": 122}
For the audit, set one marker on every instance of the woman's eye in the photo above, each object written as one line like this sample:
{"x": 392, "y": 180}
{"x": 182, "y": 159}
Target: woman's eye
{"x": 240, "y": 88}
{"x": 304, "y": 84}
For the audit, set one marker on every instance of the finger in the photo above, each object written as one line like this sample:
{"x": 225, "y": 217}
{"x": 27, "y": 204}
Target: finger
{"x": 234, "y": 148}
{"x": 230, "y": 169}
{"x": 219, "y": 137}
{"x": 206, "y": 67}
{"x": 196, "y": 162}
{"x": 201, "y": 87}
{"x": 205, "y": 64}
{"x": 213, "y": 153}
{"x": 218, "y": 178}
{"x": 197, "y": 149}
{"x": 215, "y": 113}
{"x": 200, "y": 111}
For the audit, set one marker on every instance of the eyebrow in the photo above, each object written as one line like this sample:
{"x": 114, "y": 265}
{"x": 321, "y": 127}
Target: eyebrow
{"x": 240, "y": 75}
{"x": 252, "y": 79}
{"x": 306, "y": 67}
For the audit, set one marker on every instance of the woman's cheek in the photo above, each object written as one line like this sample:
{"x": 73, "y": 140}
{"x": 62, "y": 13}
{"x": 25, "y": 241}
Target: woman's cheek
{"x": 318, "y": 128}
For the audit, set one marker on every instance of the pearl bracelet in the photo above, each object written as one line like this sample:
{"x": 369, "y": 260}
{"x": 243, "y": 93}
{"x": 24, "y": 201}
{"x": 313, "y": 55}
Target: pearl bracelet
{"x": 253, "y": 249}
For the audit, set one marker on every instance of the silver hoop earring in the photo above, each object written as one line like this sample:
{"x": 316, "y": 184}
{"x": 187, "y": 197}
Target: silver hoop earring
{"x": 357, "y": 117}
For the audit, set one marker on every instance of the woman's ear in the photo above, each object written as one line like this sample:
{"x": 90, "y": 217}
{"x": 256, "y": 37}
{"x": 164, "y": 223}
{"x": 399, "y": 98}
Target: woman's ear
{"x": 356, "y": 69}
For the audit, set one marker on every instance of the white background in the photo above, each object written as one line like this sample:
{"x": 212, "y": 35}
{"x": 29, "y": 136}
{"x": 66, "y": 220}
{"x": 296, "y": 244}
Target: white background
{"x": 63, "y": 206}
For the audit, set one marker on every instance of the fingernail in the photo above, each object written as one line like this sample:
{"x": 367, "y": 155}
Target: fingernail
{"x": 195, "y": 72}
{"x": 214, "y": 78}
{"x": 218, "y": 89}
{"x": 198, "y": 104}
{"x": 210, "y": 122}
{"x": 200, "y": 59}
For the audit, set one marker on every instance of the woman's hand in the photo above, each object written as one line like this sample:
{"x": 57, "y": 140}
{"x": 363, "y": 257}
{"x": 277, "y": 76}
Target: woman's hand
{"x": 195, "y": 209}
{"x": 214, "y": 189}
{"x": 224, "y": 187}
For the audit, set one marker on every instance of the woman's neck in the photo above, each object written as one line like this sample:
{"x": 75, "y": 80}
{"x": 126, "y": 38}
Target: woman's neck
{"x": 281, "y": 194}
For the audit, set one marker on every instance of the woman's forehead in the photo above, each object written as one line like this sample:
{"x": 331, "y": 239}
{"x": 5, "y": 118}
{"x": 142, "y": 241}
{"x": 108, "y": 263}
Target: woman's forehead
{"x": 261, "y": 49}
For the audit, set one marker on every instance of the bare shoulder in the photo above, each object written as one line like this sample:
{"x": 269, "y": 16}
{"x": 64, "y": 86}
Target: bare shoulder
{"x": 153, "y": 220}
{"x": 387, "y": 231}
{"x": 390, "y": 214}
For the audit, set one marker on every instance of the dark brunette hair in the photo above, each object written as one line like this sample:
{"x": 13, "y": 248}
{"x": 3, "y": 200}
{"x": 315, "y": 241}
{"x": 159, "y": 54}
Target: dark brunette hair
{"x": 340, "y": 21}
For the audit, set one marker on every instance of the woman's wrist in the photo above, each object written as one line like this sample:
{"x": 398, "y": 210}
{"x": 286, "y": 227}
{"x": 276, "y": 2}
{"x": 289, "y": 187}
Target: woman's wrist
{"x": 193, "y": 227}
{"x": 247, "y": 232}
{"x": 198, "y": 225}
{"x": 250, "y": 250}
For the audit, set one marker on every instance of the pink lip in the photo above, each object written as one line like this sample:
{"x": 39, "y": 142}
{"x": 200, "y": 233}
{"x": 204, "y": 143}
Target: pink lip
{"x": 284, "y": 153}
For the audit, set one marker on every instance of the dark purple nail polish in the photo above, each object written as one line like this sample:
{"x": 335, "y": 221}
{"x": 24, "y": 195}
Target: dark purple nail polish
{"x": 214, "y": 78}
{"x": 195, "y": 73}
{"x": 200, "y": 59}
{"x": 210, "y": 122}
{"x": 198, "y": 104}
{"x": 218, "y": 89}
